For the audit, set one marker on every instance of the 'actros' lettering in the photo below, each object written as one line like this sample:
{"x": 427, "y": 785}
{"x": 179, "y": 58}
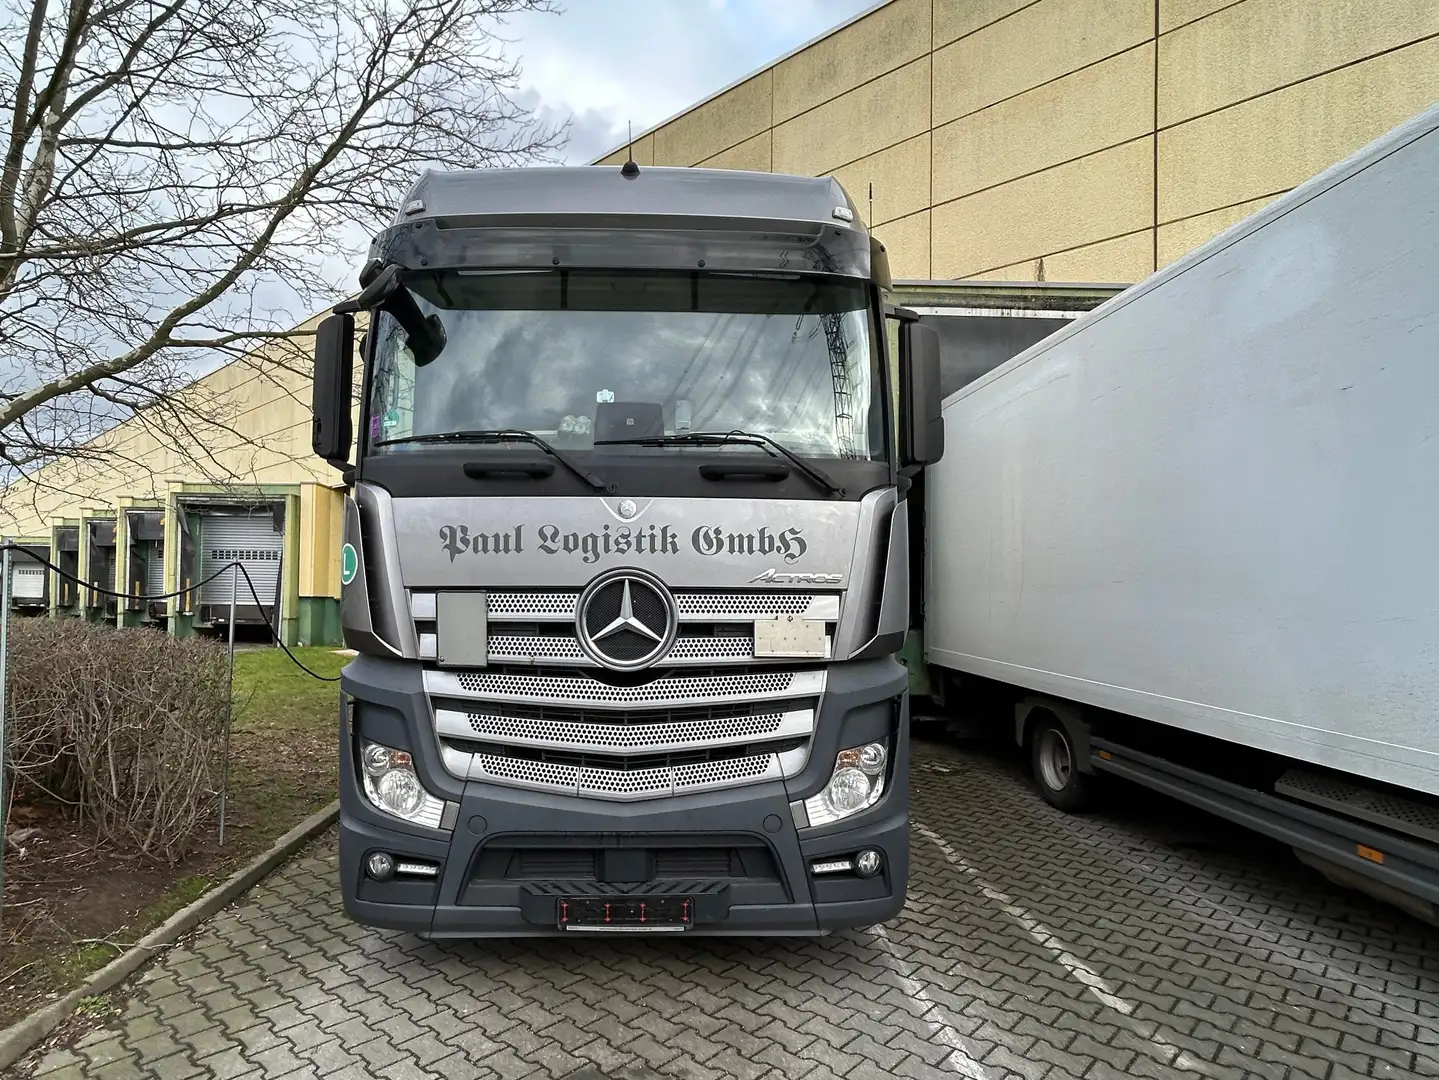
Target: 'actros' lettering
{"x": 789, "y": 545}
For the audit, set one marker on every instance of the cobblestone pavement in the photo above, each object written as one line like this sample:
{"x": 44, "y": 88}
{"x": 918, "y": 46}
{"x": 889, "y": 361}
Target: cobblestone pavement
{"x": 1137, "y": 942}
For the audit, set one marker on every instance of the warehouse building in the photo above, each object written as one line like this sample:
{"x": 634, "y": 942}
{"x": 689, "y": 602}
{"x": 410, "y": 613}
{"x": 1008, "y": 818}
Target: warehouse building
{"x": 1002, "y": 140}
{"x": 225, "y": 475}
{"x": 1067, "y": 140}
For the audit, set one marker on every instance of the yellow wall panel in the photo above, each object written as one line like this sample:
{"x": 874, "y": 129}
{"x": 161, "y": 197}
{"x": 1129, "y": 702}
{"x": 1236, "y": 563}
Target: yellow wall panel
{"x": 878, "y": 43}
{"x": 752, "y": 154}
{"x": 901, "y": 181}
{"x": 1095, "y": 198}
{"x": 736, "y": 115}
{"x": 1032, "y": 46}
{"x": 1101, "y": 106}
{"x": 955, "y": 18}
{"x": 1121, "y": 261}
{"x": 1272, "y": 143}
{"x": 906, "y": 242}
{"x": 1181, "y": 237}
{"x": 1175, "y": 13}
{"x": 869, "y": 118}
{"x": 1263, "y": 44}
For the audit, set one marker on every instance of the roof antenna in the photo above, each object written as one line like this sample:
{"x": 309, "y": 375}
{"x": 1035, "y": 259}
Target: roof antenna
{"x": 629, "y": 170}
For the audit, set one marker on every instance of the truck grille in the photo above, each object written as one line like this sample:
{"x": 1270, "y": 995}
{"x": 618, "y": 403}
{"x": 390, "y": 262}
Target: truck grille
{"x": 634, "y": 737}
{"x": 598, "y": 781}
{"x": 534, "y": 627}
{"x": 670, "y": 690}
{"x": 708, "y": 715}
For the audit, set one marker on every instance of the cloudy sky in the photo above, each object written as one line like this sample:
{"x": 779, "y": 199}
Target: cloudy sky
{"x": 605, "y": 62}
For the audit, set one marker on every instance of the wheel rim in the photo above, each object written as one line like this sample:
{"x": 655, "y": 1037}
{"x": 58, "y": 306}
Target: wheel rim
{"x": 1055, "y": 764}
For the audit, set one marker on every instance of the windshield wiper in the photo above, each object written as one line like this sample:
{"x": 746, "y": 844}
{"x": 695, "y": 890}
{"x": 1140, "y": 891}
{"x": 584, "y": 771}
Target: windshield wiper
{"x": 719, "y": 438}
{"x": 482, "y": 435}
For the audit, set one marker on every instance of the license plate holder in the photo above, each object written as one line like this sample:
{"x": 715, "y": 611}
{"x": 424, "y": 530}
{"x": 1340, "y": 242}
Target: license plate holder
{"x": 625, "y": 914}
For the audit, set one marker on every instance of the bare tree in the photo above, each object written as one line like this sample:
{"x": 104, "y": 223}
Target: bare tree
{"x": 181, "y": 178}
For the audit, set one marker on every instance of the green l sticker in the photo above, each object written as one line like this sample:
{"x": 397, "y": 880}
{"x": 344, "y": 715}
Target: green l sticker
{"x": 349, "y": 564}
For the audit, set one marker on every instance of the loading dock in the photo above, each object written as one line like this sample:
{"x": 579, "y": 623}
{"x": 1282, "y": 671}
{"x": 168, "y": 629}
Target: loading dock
{"x": 216, "y": 534}
{"x": 99, "y": 560}
{"x": 67, "y": 558}
{"x": 29, "y": 579}
{"x": 144, "y": 542}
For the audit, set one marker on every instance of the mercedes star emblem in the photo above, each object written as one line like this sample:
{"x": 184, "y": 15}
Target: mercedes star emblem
{"x": 628, "y": 509}
{"x": 626, "y": 620}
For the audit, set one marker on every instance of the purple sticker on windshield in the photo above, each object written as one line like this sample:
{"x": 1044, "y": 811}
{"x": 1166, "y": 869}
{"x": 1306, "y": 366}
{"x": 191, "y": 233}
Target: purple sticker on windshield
{"x": 374, "y": 427}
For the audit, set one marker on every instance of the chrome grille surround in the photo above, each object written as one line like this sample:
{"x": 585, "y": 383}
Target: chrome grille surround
{"x": 669, "y": 691}
{"x": 623, "y": 784}
{"x": 623, "y": 739}
{"x": 536, "y": 718}
{"x": 527, "y": 605}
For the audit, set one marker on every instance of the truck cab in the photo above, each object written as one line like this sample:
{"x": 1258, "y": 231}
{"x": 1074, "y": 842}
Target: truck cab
{"x": 626, "y": 556}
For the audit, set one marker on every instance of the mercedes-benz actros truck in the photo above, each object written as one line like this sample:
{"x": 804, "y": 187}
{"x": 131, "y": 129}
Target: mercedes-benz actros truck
{"x": 625, "y": 556}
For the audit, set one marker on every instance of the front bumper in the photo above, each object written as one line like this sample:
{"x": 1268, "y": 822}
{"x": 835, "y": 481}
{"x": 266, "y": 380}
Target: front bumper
{"x": 513, "y": 856}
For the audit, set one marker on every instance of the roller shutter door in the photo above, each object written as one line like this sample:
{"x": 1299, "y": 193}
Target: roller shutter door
{"x": 27, "y": 578}
{"x": 155, "y": 570}
{"x": 252, "y": 541}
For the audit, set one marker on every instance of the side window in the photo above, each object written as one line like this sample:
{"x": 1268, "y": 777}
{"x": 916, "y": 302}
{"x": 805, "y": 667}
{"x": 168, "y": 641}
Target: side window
{"x": 891, "y": 353}
{"x": 392, "y": 402}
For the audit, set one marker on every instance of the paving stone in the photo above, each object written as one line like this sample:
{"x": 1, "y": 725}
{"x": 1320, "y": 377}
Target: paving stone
{"x": 1226, "y": 961}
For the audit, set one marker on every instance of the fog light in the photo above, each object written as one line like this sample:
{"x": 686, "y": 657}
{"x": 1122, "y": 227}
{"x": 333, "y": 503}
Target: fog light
{"x": 856, "y": 784}
{"x": 390, "y": 783}
{"x": 380, "y": 866}
{"x": 868, "y": 863}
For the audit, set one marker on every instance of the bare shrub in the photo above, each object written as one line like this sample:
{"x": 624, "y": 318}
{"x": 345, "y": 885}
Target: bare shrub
{"x": 124, "y": 726}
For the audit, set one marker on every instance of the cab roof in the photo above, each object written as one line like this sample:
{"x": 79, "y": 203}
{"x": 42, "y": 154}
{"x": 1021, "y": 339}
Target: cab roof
{"x": 598, "y": 191}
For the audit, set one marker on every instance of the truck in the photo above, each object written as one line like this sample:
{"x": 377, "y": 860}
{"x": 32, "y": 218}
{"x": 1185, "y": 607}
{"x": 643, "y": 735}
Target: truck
{"x": 1187, "y": 539}
{"x": 625, "y": 559}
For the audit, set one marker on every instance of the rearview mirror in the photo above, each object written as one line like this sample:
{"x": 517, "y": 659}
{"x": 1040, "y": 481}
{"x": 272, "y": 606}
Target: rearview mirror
{"x": 921, "y": 427}
{"x": 331, "y": 433}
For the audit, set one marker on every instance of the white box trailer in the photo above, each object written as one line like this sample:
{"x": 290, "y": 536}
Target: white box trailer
{"x": 1195, "y": 530}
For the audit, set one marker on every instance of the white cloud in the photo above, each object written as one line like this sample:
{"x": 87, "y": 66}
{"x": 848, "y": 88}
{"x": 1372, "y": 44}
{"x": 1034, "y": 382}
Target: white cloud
{"x": 606, "y": 63}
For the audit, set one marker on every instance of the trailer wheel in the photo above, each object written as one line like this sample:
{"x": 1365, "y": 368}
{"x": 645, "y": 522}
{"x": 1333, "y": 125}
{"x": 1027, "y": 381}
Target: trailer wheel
{"x": 1052, "y": 758}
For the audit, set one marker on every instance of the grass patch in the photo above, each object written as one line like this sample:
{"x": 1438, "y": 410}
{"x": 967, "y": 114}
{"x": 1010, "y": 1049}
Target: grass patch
{"x": 272, "y": 694}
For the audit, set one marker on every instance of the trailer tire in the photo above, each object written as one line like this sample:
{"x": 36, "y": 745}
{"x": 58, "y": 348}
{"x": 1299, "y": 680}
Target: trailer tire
{"x": 1055, "y": 766}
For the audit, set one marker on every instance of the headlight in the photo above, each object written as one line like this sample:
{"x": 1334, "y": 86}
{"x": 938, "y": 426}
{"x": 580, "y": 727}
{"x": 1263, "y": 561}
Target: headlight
{"x": 392, "y": 786}
{"x": 856, "y": 784}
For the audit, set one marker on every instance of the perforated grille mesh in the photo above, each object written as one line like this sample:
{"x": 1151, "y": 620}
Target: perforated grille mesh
{"x": 746, "y": 605}
{"x": 536, "y": 647}
{"x": 519, "y": 605}
{"x": 582, "y": 736}
{"x": 525, "y": 605}
{"x": 564, "y": 648}
{"x": 624, "y": 783}
{"x": 718, "y": 773}
{"x": 563, "y": 688}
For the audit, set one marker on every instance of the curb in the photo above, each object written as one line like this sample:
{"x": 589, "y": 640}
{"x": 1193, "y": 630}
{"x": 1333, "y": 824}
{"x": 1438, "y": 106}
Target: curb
{"x": 20, "y": 1038}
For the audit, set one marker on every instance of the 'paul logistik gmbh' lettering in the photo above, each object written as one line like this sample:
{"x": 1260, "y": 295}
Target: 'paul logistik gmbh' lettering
{"x": 592, "y": 546}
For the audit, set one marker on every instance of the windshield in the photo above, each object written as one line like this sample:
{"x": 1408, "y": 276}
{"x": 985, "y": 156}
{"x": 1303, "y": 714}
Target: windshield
{"x": 579, "y": 357}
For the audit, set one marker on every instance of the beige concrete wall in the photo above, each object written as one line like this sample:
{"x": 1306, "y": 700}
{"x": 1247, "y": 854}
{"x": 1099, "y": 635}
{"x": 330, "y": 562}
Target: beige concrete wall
{"x": 1092, "y": 139}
